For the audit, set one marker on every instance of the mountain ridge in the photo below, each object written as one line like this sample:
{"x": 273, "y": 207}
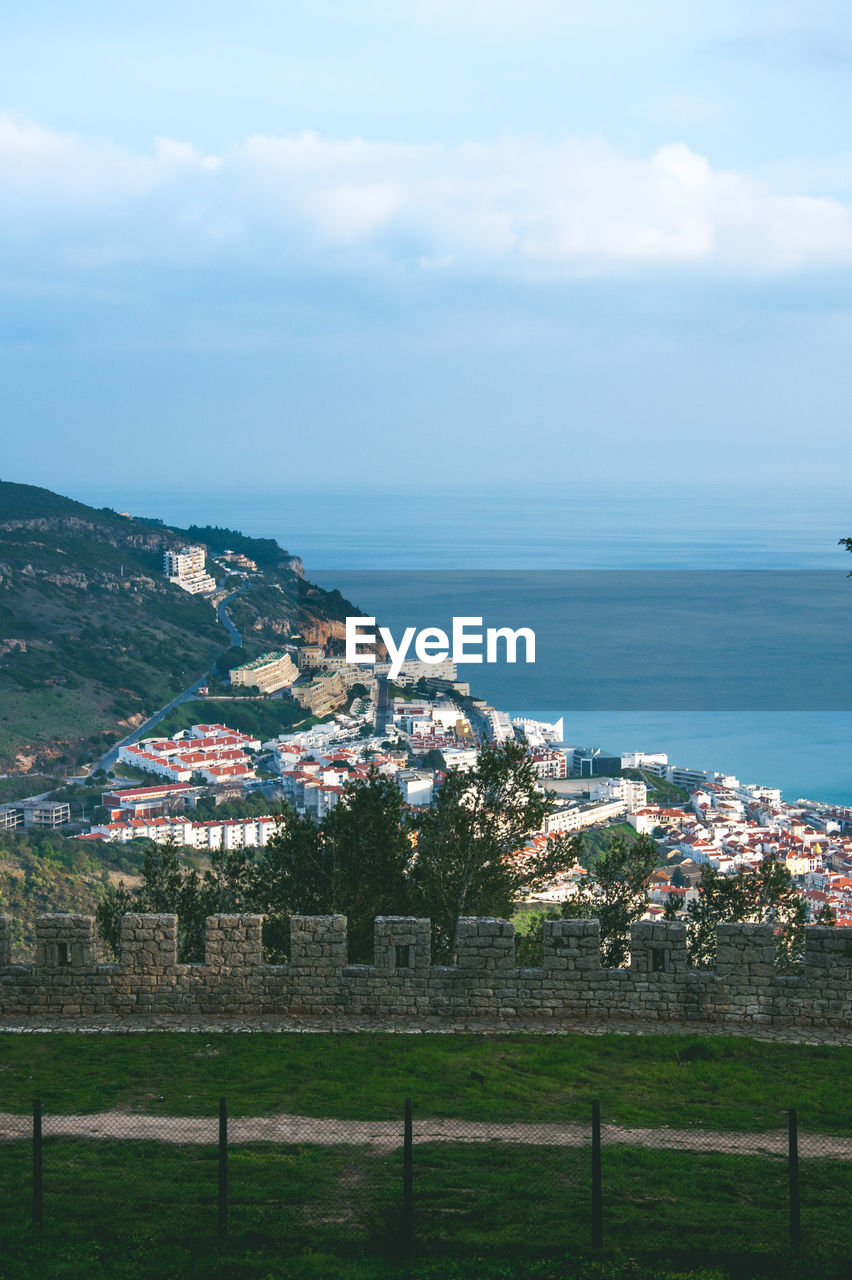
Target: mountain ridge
{"x": 94, "y": 638}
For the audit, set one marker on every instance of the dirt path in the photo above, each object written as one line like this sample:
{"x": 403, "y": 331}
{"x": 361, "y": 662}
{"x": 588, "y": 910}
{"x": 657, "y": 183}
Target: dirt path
{"x": 386, "y": 1135}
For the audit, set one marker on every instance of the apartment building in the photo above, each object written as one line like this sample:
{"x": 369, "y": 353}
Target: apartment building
{"x": 578, "y": 816}
{"x": 633, "y": 793}
{"x": 322, "y": 695}
{"x": 187, "y": 569}
{"x": 229, "y": 833}
{"x": 550, "y": 764}
{"x": 269, "y": 672}
{"x": 214, "y": 751}
{"x": 11, "y": 817}
{"x": 47, "y": 813}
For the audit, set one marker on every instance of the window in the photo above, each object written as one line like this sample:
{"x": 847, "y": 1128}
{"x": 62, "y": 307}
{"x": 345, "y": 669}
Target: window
{"x": 62, "y": 953}
{"x": 659, "y": 960}
{"x": 403, "y": 958}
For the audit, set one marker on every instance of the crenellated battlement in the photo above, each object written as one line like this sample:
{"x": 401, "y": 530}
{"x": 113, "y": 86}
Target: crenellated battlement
{"x": 66, "y": 981}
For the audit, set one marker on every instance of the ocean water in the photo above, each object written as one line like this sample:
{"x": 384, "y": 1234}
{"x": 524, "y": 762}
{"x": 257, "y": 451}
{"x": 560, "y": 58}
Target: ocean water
{"x": 753, "y": 678}
{"x": 416, "y": 526}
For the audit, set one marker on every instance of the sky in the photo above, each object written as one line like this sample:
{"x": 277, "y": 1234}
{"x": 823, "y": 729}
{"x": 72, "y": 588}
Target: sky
{"x": 388, "y": 242}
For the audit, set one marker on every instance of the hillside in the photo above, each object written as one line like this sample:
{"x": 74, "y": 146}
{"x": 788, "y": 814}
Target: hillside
{"x": 93, "y": 638}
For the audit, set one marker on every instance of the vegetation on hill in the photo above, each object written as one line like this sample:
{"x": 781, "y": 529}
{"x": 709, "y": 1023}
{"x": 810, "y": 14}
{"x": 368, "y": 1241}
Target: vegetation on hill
{"x": 44, "y": 871}
{"x": 596, "y": 840}
{"x": 18, "y": 788}
{"x": 263, "y": 718}
{"x": 660, "y": 790}
{"x": 93, "y": 638}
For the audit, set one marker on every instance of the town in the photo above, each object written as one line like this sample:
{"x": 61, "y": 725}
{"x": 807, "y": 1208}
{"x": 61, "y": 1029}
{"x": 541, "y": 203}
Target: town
{"x": 413, "y": 720}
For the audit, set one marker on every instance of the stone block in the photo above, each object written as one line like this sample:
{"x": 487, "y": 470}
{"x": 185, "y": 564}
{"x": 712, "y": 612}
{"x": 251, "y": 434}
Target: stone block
{"x": 233, "y": 942}
{"x": 486, "y": 945}
{"x": 148, "y": 942}
{"x": 744, "y": 949}
{"x": 402, "y": 944}
{"x": 658, "y": 947}
{"x": 318, "y": 944}
{"x": 66, "y": 944}
{"x": 828, "y": 953}
{"x": 572, "y": 946}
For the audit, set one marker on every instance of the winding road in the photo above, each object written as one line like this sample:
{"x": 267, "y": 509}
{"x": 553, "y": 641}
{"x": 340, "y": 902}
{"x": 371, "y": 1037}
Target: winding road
{"x": 110, "y": 759}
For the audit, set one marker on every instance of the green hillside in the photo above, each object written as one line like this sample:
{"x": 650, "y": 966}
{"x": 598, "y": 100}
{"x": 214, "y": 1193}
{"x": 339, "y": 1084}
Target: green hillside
{"x": 93, "y": 638}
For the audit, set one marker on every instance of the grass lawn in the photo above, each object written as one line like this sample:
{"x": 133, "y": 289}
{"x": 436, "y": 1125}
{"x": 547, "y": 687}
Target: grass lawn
{"x": 680, "y": 1081}
{"x": 140, "y": 1209}
{"x": 40, "y": 717}
{"x": 12, "y": 789}
{"x": 263, "y": 718}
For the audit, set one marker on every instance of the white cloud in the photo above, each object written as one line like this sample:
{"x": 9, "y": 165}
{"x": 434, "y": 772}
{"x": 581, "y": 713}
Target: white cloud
{"x": 510, "y": 207}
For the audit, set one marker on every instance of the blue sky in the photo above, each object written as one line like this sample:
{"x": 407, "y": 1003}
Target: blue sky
{"x": 284, "y": 244}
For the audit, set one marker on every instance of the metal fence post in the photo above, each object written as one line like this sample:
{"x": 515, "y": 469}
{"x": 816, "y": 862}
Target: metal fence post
{"x": 408, "y": 1176}
{"x": 597, "y": 1199}
{"x": 38, "y": 1164}
{"x": 223, "y": 1168}
{"x": 795, "y": 1203}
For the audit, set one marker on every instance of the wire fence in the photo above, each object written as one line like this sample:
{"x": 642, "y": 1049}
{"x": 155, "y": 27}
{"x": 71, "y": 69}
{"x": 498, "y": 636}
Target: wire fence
{"x": 422, "y": 1185}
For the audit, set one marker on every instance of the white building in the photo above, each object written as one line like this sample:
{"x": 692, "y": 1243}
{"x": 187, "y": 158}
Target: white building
{"x": 187, "y": 569}
{"x": 230, "y": 833}
{"x": 463, "y": 758}
{"x": 269, "y": 672}
{"x": 632, "y": 792}
{"x": 578, "y": 816}
{"x": 416, "y": 786}
{"x": 413, "y": 670}
{"x": 655, "y": 762}
{"x": 538, "y": 733}
{"x": 550, "y": 764}
{"x": 497, "y": 725}
{"x": 216, "y": 752}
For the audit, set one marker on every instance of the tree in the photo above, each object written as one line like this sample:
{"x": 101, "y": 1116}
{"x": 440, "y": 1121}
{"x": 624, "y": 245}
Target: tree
{"x": 468, "y": 843}
{"x": 170, "y": 888}
{"x": 368, "y": 842}
{"x": 355, "y": 862}
{"x": 847, "y": 543}
{"x": 432, "y": 759}
{"x": 670, "y": 909}
{"x": 617, "y": 894}
{"x": 116, "y": 902}
{"x": 763, "y": 896}
{"x": 825, "y": 915}
{"x": 291, "y": 876}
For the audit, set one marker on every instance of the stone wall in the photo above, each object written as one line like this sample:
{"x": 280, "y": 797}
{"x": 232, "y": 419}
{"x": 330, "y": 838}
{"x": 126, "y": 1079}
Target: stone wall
{"x": 66, "y": 981}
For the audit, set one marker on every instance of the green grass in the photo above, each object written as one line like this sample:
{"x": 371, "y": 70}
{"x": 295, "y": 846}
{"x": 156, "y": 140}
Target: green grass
{"x": 129, "y": 772}
{"x": 681, "y": 1081}
{"x": 660, "y": 790}
{"x": 597, "y": 840}
{"x": 45, "y": 717}
{"x": 265, "y": 718}
{"x": 18, "y": 788}
{"x": 143, "y": 1209}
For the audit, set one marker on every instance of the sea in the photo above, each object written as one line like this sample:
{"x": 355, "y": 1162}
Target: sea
{"x": 711, "y": 622}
